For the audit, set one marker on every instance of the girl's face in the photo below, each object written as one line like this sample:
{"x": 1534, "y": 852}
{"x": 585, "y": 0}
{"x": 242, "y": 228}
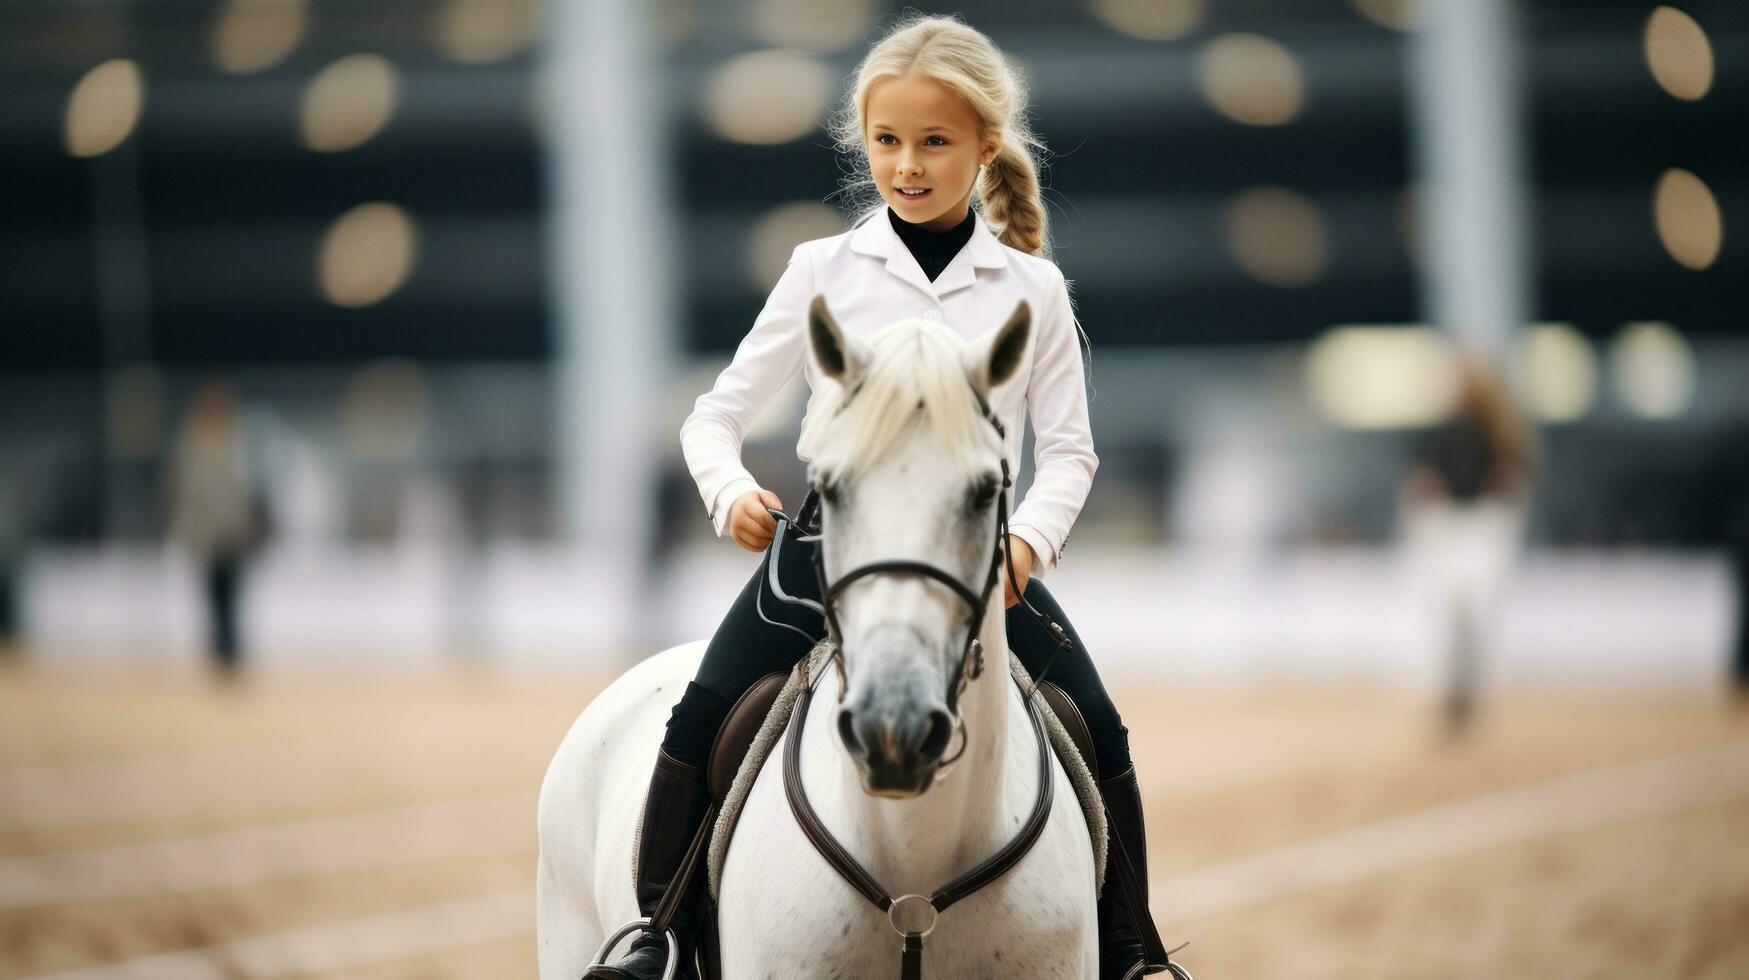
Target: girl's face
{"x": 923, "y": 136}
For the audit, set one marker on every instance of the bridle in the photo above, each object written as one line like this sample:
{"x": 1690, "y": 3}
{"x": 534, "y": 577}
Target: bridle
{"x": 971, "y": 660}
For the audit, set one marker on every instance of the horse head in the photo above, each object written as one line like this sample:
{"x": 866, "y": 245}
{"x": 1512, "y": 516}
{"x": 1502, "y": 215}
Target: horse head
{"x": 909, "y": 465}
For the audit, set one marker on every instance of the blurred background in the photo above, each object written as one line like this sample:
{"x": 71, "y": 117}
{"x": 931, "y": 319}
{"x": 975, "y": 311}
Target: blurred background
{"x": 344, "y": 346}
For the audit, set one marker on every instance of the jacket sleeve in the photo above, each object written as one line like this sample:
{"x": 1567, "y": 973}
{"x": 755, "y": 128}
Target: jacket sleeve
{"x": 1063, "y": 457}
{"x": 767, "y": 357}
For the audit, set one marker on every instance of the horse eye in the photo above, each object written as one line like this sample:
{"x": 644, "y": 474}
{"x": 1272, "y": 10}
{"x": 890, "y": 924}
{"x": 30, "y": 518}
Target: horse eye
{"x": 983, "y": 492}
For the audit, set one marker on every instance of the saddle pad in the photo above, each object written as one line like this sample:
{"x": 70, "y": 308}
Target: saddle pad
{"x": 1086, "y": 787}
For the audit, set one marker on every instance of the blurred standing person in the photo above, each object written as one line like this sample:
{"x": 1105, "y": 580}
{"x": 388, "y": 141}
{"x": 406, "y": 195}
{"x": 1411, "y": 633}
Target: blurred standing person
{"x": 213, "y": 512}
{"x": 1463, "y": 508}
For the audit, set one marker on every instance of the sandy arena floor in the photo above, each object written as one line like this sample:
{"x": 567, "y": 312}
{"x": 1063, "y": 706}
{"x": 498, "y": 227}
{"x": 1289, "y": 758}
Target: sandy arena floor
{"x": 382, "y": 826}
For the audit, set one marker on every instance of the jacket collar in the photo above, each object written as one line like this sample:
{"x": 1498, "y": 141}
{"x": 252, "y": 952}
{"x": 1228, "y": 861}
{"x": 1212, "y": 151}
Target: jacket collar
{"x": 982, "y": 251}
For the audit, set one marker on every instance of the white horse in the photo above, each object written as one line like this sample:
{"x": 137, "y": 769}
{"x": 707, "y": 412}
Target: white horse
{"x": 910, "y": 469}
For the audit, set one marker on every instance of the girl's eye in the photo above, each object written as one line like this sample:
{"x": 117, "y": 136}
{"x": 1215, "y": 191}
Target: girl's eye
{"x": 884, "y": 137}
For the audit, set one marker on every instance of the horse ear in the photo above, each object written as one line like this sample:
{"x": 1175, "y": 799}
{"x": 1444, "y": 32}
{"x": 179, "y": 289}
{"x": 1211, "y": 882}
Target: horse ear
{"x": 995, "y": 357}
{"x": 841, "y": 357}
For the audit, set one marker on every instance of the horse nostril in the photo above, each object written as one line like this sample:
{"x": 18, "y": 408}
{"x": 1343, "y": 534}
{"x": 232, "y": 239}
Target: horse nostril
{"x": 940, "y": 733}
{"x": 847, "y": 732}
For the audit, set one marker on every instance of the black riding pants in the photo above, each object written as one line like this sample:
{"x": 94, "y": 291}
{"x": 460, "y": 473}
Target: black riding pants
{"x": 746, "y": 648}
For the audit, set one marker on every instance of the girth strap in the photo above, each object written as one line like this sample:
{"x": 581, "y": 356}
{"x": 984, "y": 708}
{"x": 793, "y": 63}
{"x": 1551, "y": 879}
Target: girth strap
{"x": 911, "y": 960}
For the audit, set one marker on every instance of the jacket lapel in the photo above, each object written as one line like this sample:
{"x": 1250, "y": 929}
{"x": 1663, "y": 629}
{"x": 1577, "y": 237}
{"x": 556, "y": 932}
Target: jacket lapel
{"x": 876, "y": 237}
{"x": 981, "y": 251}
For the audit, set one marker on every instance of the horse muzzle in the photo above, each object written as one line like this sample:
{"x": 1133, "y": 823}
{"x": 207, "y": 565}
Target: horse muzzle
{"x": 897, "y": 745}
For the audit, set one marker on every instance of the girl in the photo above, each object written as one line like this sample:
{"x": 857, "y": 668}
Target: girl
{"x": 937, "y": 118}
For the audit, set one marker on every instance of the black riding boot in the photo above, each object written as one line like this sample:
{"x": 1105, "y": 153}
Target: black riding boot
{"x": 1122, "y": 954}
{"x": 674, "y": 809}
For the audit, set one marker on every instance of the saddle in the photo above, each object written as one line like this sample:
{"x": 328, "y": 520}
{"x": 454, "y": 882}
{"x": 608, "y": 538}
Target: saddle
{"x": 751, "y": 730}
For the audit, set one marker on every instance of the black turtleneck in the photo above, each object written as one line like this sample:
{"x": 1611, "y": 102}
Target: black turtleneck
{"x": 933, "y": 250}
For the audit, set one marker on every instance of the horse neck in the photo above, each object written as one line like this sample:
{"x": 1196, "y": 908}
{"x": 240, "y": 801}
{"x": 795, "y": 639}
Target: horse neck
{"x": 919, "y": 844}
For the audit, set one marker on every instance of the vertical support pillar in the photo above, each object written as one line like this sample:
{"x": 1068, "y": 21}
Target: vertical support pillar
{"x": 1469, "y": 105}
{"x": 609, "y": 245}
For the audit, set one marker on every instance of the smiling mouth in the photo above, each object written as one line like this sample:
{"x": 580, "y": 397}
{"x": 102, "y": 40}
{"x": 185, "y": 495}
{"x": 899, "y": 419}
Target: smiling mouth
{"x": 912, "y": 194}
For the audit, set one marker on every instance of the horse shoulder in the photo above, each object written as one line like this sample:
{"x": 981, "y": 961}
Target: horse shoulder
{"x": 590, "y": 800}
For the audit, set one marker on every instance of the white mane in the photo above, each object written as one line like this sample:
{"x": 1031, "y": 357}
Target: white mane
{"x": 915, "y": 368}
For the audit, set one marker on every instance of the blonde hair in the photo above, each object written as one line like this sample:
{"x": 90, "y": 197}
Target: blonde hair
{"x": 913, "y": 365}
{"x": 969, "y": 64}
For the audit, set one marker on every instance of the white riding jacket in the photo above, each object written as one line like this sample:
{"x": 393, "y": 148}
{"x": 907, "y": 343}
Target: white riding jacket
{"x": 870, "y": 279}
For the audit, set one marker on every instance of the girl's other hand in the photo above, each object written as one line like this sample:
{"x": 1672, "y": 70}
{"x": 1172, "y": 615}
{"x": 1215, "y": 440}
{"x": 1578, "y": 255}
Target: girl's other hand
{"x": 750, "y": 525}
{"x": 1023, "y": 559}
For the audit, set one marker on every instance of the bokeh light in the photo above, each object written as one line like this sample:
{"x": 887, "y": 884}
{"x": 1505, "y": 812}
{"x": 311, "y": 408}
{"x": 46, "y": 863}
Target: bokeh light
{"x": 367, "y": 254}
{"x": 1277, "y": 236}
{"x": 484, "y": 31}
{"x": 1651, "y": 369}
{"x": 349, "y": 102}
{"x": 1251, "y": 79}
{"x": 104, "y": 108}
{"x": 1151, "y": 20}
{"x": 1687, "y": 218}
{"x": 252, "y": 35}
{"x": 1679, "y": 54}
{"x": 767, "y": 97}
{"x": 1382, "y": 377}
{"x": 813, "y": 25}
{"x": 1398, "y": 15}
{"x": 1556, "y": 370}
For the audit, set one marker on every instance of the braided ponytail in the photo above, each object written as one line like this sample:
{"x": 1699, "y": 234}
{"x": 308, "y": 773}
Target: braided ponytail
{"x": 1010, "y": 195}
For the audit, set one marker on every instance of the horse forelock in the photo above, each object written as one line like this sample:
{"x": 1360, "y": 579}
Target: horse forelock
{"x": 914, "y": 370}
